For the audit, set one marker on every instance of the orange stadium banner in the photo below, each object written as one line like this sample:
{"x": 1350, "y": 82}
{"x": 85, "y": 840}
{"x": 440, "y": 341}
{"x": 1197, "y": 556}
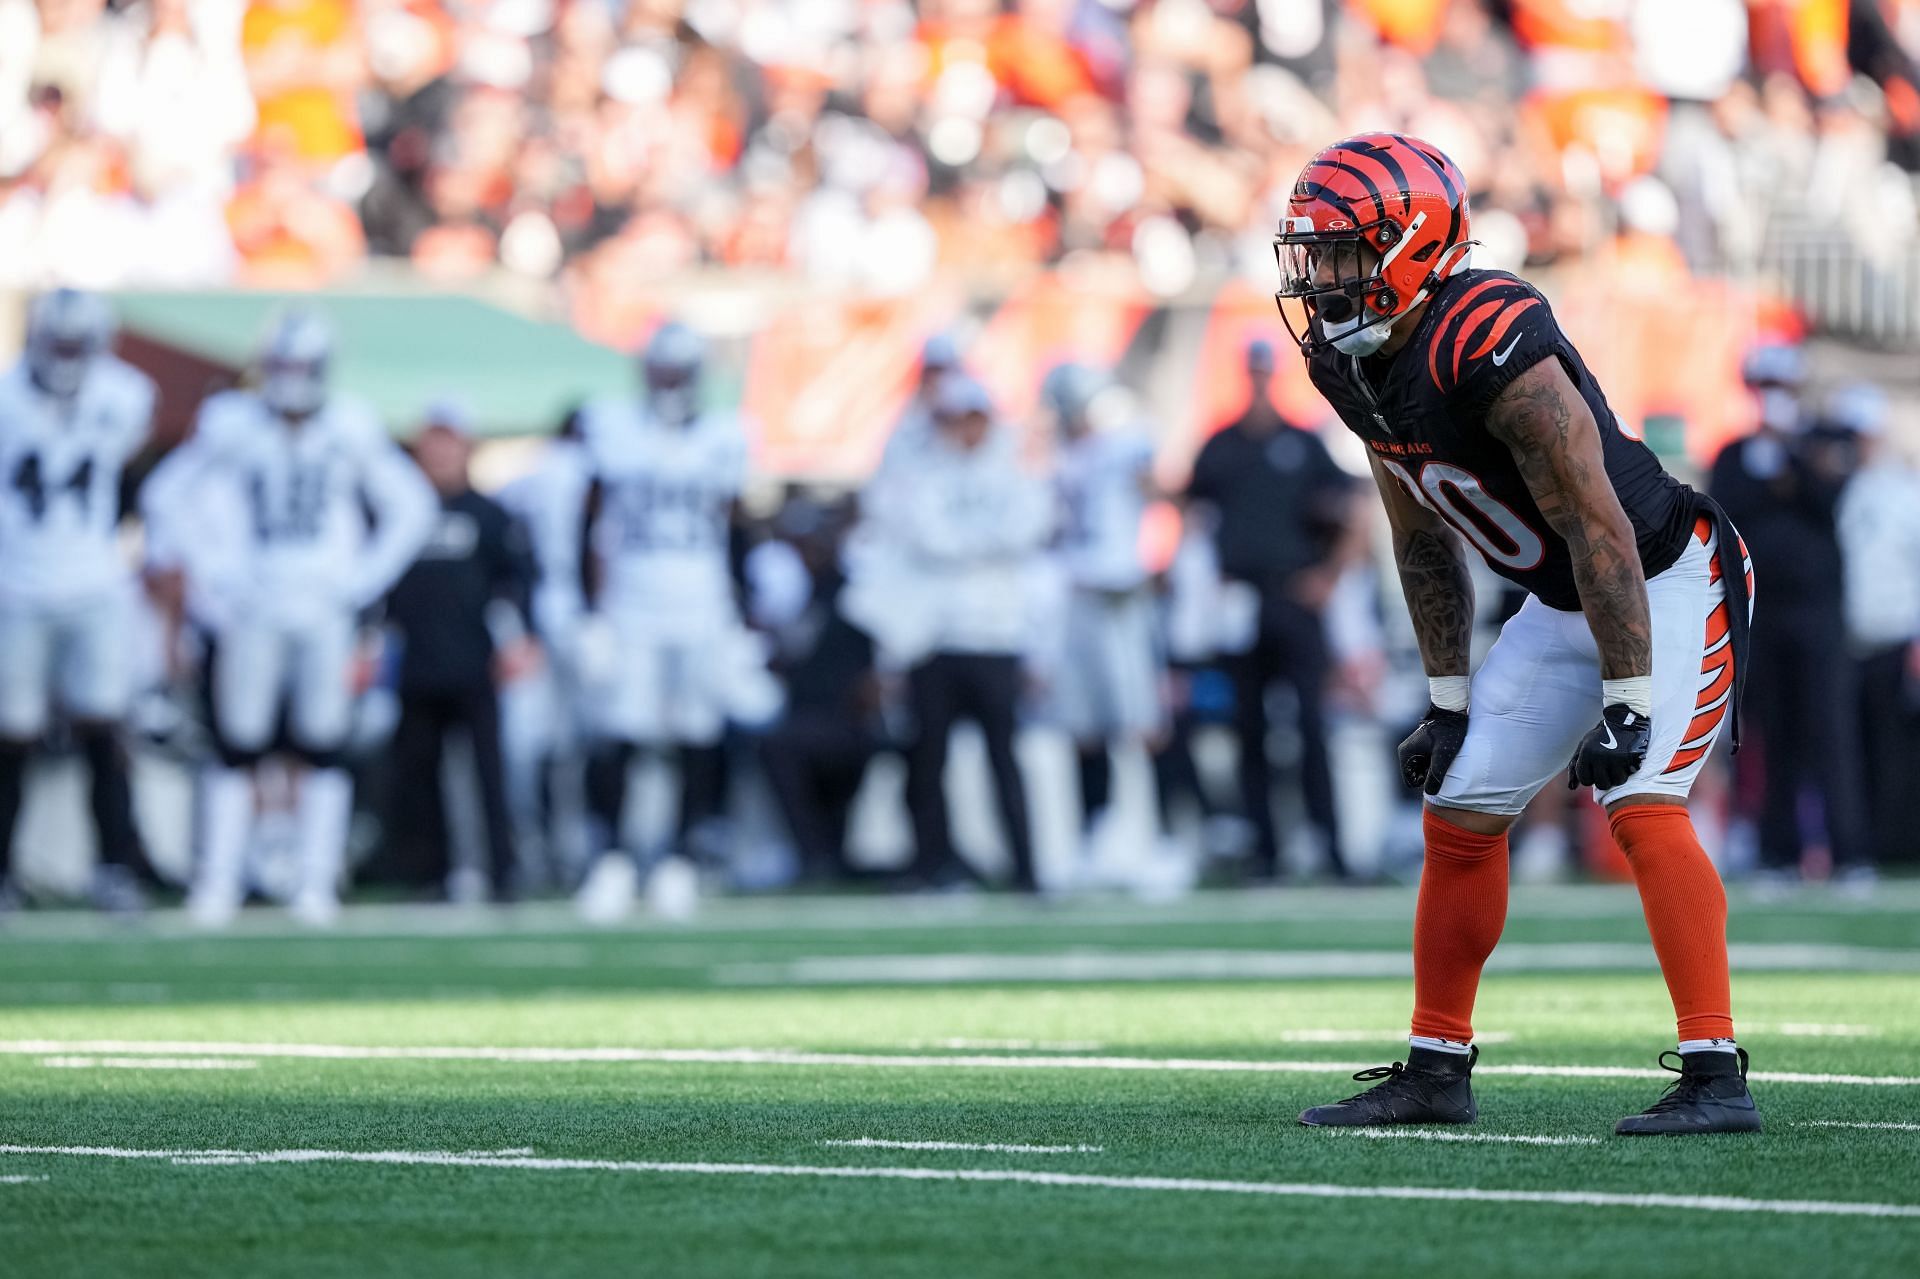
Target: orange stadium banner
{"x": 826, "y": 380}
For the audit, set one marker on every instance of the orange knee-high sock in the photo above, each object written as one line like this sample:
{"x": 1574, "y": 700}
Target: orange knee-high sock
{"x": 1686, "y": 912}
{"x": 1462, "y": 908}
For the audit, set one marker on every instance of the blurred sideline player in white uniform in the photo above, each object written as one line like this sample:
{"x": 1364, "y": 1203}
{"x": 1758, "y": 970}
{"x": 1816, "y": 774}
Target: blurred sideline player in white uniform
{"x": 265, "y": 510}
{"x": 971, "y": 537}
{"x": 888, "y": 595}
{"x": 1107, "y": 683}
{"x": 71, "y": 417}
{"x": 666, "y": 653}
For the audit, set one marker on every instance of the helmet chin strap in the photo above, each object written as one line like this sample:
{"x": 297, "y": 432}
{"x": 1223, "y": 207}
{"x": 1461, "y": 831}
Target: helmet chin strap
{"x": 1364, "y": 338}
{"x": 1361, "y": 340}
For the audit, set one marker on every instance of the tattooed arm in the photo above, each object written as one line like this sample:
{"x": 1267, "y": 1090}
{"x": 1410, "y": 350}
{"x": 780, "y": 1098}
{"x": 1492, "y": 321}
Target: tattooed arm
{"x": 1433, "y": 577}
{"x": 1542, "y": 418}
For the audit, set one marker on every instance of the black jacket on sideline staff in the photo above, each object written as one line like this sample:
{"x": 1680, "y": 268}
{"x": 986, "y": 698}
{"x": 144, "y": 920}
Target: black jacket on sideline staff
{"x": 1785, "y": 507}
{"x": 478, "y": 553}
{"x": 1279, "y": 496}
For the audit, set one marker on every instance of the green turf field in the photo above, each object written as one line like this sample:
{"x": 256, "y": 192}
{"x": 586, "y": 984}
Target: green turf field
{"x": 447, "y": 1094}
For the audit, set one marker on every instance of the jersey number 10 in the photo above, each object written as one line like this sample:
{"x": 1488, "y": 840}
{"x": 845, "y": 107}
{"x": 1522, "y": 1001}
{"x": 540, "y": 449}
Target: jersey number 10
{"x": 1454, "y": 494}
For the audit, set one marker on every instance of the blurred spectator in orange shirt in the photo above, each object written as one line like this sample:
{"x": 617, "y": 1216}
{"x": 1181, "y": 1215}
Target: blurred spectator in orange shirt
{"x": 305, "y": 60}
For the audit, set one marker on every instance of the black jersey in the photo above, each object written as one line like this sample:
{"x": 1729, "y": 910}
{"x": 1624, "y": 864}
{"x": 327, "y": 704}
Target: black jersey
{"x": 1423, "y": 414}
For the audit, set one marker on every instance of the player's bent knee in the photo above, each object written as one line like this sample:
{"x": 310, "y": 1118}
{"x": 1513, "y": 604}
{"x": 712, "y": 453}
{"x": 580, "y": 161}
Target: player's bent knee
{"x": 1473, "y": 820}
{"x": 22, "y": 725}
{"x": 242, "y": 737}
{"x": 1621, "y": 803}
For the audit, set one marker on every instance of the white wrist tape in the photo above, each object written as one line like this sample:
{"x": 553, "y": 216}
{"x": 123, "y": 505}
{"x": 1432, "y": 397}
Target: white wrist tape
{"x": 1449, "y": 692}
{"x": 1636, "y": 694}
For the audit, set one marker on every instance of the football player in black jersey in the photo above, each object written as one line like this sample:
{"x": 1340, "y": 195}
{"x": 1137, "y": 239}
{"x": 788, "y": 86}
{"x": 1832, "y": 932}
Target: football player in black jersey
{"x": 1485, "y": 427}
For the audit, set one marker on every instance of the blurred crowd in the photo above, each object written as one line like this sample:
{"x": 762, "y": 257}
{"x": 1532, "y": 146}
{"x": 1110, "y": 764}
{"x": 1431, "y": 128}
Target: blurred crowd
{"x": 867, "y": 144}
{"x": 617, "y": 676}
{"x": 325, "y": 623}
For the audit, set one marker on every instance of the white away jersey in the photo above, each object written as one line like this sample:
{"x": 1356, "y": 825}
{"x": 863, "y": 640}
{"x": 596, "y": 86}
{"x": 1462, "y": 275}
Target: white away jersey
{"x": 60, "y": 465}
{"x": 1101, "y": 479}
{"x": 665, "y": 494}
{"x": 297, "y": 540}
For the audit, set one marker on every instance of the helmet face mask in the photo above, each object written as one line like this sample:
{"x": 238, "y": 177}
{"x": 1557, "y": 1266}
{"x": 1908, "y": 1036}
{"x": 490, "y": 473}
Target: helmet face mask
{"x": 1070, "y": 392}
{"x": 293, "y": 388}
{"x": 670, "y": 371}
{"x": 1337, "y": 284}
{"x": 59, "y": 366}
{"x": 673, "y": 393}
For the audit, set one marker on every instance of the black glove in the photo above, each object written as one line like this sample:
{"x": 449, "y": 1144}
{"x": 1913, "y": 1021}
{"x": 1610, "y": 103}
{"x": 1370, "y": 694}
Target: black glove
{"x": 1428, "y": 752}
{"x": 1612, "y": 752}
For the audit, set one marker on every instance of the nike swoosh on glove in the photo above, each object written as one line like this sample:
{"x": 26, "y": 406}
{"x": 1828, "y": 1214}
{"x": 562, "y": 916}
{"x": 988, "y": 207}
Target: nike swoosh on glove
{"x": 1428, "y": 752}
{"x": 1613, "y": 751}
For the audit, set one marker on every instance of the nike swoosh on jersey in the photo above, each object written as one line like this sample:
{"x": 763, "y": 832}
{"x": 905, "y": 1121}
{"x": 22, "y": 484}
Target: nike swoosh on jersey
{"x": 1500, "y": 357}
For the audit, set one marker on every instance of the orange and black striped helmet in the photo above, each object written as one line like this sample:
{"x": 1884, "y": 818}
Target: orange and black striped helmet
{"x": 1375, "y": 223}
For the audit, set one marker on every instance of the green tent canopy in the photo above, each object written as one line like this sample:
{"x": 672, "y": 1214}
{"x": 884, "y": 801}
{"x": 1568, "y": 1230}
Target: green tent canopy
{"x": 402, "y": 351}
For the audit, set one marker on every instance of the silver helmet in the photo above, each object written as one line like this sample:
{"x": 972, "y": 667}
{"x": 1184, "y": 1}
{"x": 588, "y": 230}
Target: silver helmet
{"x": 670, "y": 367}
{"x": 294, "y": 362}
{"x": 66, "y": 331}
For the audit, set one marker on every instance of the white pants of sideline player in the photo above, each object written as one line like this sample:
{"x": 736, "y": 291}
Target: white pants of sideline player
{"x": 1538, "y": 693}
{"x": 1107, "y": 683}
{"x": 78, "y": 651}
{"x": 264, "y": 669}
{"x": 653, "y": 678}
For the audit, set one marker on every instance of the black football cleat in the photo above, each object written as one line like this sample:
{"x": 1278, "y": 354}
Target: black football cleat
{"x": 1431, "y": 1088}
{"x": 1710, "y": 1096}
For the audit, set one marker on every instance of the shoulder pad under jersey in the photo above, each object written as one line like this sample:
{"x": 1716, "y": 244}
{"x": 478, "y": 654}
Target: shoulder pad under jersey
{"x": 1493, "y": 330}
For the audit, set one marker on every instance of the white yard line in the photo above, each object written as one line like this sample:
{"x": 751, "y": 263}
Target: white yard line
{"x": 803, "y": 1057}
{"x": 19, "y": 1181}
{"x": 1011, "y": 1045}
{"x": 1495, "y": 1138}
{"x": 1121, "y": 965}
{"x": 1820, "y": 1030}
{"x": 1844, "y": 1123}
{"x": 1190, "y": 1185}
{"x": 149, "y": 1063}
{"x": 1005, "y": 1148}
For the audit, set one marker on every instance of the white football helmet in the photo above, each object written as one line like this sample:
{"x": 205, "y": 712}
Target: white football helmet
{"x": 294, "y": 363}
{"x": 66, "y": 331}
{"x": 671, "y": 368}
{"x": 1070, "y": 391}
